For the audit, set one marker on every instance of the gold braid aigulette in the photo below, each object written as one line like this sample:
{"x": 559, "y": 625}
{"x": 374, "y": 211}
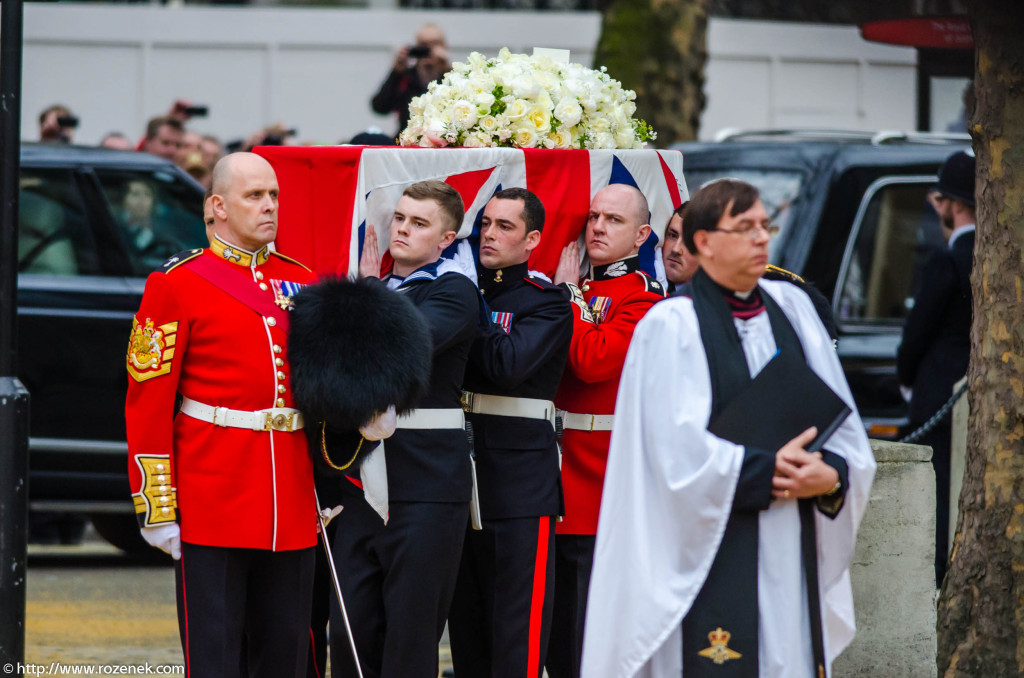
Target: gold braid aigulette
{"x": 327, "y": 458}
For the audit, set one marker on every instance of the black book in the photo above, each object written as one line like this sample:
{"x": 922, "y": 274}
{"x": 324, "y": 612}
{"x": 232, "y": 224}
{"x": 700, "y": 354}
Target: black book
{"x": 785, "y": 399}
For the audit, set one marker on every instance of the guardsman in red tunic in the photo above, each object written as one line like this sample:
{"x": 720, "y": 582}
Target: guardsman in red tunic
{"x": 608, "y": 304}
{"x": 225, "y": 485}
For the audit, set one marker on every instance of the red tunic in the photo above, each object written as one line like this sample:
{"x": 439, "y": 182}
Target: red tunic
{"x": 591, "y": 381}
{"x": 235, "y": 487}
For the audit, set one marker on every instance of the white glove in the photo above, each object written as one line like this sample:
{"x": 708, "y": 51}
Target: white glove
{"x": 328, "y": 514}
{"x": 381, "y": 426}
{"x": 167, "y": 538}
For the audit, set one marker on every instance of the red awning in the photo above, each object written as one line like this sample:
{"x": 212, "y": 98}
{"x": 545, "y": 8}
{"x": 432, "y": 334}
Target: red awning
{"x": 934, "y": 32}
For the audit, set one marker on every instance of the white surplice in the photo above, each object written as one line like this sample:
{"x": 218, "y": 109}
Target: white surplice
{"x": 668, "y": 492}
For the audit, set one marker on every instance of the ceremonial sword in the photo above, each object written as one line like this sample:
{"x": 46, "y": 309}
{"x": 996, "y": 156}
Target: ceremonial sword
{"x": 337, "y": 584}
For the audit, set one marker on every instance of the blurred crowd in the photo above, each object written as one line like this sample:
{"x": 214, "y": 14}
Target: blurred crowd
{"x": 169, "y": 135}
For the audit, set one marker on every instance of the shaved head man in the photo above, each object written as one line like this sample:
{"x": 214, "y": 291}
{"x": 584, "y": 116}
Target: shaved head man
{"x": 608, "y": 304}
{"x": 226, "y": 486}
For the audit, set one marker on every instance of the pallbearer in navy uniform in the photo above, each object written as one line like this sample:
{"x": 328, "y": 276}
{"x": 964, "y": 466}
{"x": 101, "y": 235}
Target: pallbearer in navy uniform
{"x": 398, "y": 564}
{"x": 713, "y": 558}
{"x": 501, "y": 616}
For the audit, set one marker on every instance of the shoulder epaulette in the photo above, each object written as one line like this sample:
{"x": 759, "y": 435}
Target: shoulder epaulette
{"x": 776, "y": 273}
{"x": 289, "y": 259}
{"x": 651, "y": 284}
{"x": 540, "y": 282}
{"x": 178, "y": 259}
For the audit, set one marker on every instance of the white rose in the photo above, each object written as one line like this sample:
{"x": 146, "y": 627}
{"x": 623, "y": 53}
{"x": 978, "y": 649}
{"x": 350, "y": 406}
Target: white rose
{"x": 516, "y": 110}
{"x": 601, "y": 125}
{"x": 603, "y": 140}
{"x": 504, "y": 134}
{"x": 560, "y": 138}
{"x": 477, "y": 61}
{"x": 541, "y": 118}
{"x": 488, "y": 123}
{"x": 464, "y": 114}
{"x": 524, "y": 136}
{"x": 568, "y": 112}
{"x": 625, "y": 138}
{"x": 525, "y": 87}
{"x": 484, "y": 100}
{"x": 474, "y": 140}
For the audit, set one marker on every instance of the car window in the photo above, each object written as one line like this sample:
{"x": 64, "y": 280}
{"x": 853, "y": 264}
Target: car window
{"x": 895, "y": 232}
{"x": 778, "y": 189}
{"x": 54, "y": 236}
{"x": 158, "y": 214}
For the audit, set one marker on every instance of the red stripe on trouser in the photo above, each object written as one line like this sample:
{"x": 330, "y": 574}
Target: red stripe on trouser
{"x": 184, "y": 607}
{"x": 540, "y": 569}
{"x": 312, "y": 644}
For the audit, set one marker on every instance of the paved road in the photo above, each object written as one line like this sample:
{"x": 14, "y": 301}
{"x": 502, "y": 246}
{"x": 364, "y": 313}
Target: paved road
{"x": 93, "y": 605}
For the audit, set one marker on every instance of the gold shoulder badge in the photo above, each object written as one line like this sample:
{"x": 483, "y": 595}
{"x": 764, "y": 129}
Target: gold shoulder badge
{"x": 179, "y": 259}
{"x": 651, "y": 284}
{"x": 151, "y": 349}
{"x": 289, "y": 259}
{"x": 719, "y": 651}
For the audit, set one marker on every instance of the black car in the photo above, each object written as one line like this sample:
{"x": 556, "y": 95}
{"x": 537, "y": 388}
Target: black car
{"x": 92, "y": 224}
{"x": 855, "y": 221}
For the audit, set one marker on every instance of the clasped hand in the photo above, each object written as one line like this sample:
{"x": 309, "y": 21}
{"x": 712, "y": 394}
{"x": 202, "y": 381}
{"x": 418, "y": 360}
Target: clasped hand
{"x": 799, "y": 473}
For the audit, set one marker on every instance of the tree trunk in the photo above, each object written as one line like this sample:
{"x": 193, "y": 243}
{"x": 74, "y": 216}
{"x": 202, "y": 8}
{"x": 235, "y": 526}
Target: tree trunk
{"x": 981, "y": 607}
{"x": 658, "y": 48}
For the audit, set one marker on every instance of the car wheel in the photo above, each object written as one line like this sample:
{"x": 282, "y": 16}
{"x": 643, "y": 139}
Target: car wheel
{"x": 120, "y": 530}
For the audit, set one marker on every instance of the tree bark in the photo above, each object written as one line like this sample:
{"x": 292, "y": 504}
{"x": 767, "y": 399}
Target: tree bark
{"x": 658, "y": 48}
{"x": 981, "y": 607}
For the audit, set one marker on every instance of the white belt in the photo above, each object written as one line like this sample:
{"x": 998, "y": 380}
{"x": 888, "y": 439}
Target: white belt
{"x": 433, "y": 418}
{"x": 504, "y": 406}
{"x": 273, "y": 418}
{"x": 587, "y": 422}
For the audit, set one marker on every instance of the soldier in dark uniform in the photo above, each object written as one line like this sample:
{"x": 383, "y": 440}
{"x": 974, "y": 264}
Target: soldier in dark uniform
{"x": 608, "y": 305}
{"x": 398, "y": 563}
{"x": 225, "y": 486}
{"x": 501, "y": 616}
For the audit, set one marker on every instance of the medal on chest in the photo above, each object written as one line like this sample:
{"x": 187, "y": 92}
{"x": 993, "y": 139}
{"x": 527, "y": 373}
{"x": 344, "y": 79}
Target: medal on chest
{"x": 599, "y": 307}
{"x": 284, "y": 290}
{"x": 503, "y": 319}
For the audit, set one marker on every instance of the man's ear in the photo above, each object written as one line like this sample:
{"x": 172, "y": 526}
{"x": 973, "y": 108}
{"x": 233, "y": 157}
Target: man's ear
{"x": 219, "y": 206}
{"x": 702, "y": 243}
{"x": 643, "y": 234}
{"x": 532, "y": 240}
{"x": 448, "y": 239}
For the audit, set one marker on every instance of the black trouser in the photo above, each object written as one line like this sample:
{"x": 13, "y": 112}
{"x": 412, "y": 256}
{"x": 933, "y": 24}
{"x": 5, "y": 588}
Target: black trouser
{"x": 244, "y": 611}
{"x": 574, "y": 559}
{"x": 939, "y": 438}
{"x": 501, "y": 614}
{"x": 323, "y": 597}
{"x": 398, "y": 582}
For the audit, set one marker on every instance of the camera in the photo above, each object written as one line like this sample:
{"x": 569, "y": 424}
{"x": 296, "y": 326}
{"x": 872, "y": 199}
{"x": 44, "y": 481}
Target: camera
{"x": 419, "y": 51}
{"x": 68, "y": 121}
{"x": 278, "y": 138}
{"x": 197, "y": 111}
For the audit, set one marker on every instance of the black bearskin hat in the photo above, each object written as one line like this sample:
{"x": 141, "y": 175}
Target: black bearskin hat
{"x": 354, "y": 349}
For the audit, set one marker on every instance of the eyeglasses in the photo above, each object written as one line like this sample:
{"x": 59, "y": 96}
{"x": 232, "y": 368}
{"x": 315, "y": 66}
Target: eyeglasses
{"x": 751, "y": 231}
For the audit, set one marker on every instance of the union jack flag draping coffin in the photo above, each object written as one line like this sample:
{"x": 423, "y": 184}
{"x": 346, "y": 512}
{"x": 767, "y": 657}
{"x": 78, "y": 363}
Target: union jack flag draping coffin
{"x": 330, "y": 194}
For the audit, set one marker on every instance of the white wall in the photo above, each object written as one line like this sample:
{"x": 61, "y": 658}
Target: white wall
{"x": 771, "y": 74}
{"x": 316, "y": 69}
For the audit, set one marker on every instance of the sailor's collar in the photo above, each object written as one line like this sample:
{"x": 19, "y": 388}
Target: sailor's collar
{"x": 425, "y": 272}
{"x": 237, "y": 255}
{"x": 616, "y": 269}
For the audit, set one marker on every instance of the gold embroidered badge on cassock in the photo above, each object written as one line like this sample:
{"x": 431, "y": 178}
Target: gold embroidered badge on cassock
{"x": 151, "y": 349}
{"x": 719, "y": 651}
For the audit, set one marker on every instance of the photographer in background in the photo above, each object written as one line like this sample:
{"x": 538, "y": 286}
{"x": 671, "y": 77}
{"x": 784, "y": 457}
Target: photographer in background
{"x": 414, "y": 68}
{"x": 56, "y": 123}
